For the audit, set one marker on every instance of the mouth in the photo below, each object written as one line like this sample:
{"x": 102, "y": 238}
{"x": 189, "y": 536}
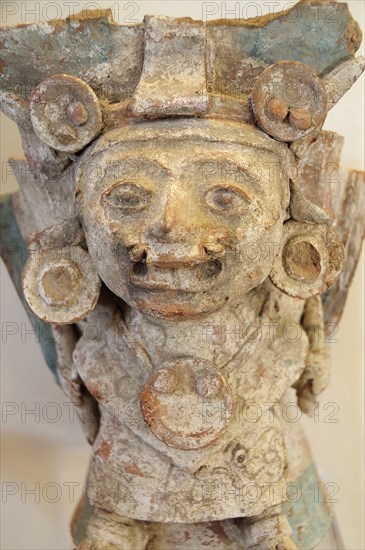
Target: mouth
{"x": 184, "y": 278}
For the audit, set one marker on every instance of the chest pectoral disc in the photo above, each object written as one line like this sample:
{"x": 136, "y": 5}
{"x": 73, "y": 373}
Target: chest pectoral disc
{"x": 187, "y": 403}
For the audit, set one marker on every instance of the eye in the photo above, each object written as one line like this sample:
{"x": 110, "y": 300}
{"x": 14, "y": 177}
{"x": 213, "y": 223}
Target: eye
{"x": 128, "y": 197}
{"x": 226, "y": 199}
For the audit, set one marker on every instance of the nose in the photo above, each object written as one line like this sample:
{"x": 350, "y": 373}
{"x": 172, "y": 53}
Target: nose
{"x": 178, "y": 215}
{"x": 165, "y": 223}
{"x": 179, "y": 234}
{"x": 173, "y": 237}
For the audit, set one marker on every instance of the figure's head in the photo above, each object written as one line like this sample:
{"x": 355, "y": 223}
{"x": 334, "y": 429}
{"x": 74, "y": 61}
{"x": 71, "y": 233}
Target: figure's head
{"x": 181, "y": 216}
{"x": 182, "y": 145}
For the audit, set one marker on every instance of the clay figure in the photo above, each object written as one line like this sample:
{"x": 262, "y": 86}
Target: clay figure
{"x": 180, "y": 222}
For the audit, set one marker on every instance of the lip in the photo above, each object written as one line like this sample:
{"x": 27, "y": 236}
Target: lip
{"x": 183, "y": 278}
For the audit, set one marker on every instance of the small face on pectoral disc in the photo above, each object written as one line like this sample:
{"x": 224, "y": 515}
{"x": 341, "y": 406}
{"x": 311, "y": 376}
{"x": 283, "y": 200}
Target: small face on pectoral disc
{"x": 187, "y": 403}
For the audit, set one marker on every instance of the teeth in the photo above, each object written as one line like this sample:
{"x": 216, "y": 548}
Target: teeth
{"x": 161, "y": 276}
{"x": 177, "y": 278}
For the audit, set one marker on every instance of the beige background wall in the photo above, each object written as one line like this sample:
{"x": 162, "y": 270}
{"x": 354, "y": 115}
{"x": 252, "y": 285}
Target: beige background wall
{"x": 44, "y": 451}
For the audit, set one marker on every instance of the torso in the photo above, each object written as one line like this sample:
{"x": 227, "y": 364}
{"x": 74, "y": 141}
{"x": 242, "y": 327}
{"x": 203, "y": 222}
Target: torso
{"x": 188, "y": 430}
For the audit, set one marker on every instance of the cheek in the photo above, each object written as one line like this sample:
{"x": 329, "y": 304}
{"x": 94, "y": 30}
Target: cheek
{"x": 262, "y": 218}
{"x": 93, "y": 224}
{"x": 102, "y": 244}
{"x": 256, "y": 255}
{"x": 109, "y": 259}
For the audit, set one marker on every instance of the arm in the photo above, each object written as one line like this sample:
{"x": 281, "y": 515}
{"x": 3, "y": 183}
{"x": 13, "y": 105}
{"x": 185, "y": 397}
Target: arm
{"x": 85, "y": 405}
{"x": 316, "y": 375}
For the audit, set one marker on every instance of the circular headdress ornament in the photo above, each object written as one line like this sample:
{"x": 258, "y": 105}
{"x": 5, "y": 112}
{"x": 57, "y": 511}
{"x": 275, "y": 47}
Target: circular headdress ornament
{"x": 289, "y": 101}
{"x": 65, "y": 113}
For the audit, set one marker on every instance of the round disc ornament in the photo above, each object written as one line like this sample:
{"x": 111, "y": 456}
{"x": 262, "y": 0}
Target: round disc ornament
{"x": 310, "y": 259}
{"x": 60, "y": 285}
{"x": 289, "y": 101}
{"x": 187, "y": 403}
{"x": 65, "y": 113}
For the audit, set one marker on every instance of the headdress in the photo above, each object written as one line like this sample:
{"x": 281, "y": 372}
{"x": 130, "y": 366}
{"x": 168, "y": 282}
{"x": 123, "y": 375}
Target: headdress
{"x": 68, "y": 80}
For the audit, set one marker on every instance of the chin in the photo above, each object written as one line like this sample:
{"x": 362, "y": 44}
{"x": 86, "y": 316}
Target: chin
{"x": 177, "y": 306}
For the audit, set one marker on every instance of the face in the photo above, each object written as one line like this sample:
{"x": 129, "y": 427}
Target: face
{"x": 178, "y": 228}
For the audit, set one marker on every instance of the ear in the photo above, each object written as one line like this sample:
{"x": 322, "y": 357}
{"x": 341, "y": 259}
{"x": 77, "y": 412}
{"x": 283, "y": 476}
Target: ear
{"x": 60, "y": 283}
{"x": 65, "y": 113}
{"x": 309, "y": 261}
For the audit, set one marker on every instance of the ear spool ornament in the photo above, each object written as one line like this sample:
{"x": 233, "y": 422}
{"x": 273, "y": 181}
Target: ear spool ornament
{"x": 60, "y": 283}
{"x": 65, "y": 113}
{"x": 310, "y": 259}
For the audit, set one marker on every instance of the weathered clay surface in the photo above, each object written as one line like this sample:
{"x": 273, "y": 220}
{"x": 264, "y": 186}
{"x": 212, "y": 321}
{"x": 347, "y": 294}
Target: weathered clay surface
{"x": 284, "y": 110}
{"x": 65, "y": 113}
{"x": 181, "y": 224}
